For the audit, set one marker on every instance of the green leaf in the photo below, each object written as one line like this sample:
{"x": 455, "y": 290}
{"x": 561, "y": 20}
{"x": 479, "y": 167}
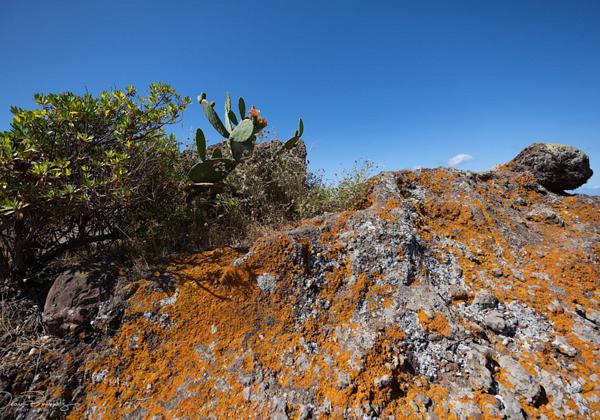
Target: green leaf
{"x": 291, "y": 142}
{"x": 211, "y": 171}
{"x": 214, "y": 119}
{"x": 227, "y": 111}
{"x": 217, "y": 154}
{"x": 205, "y": 172}
{"x": 300, "y": 128}
{"x": 233, "y": 118}
{"x": 239, "y": 150}
{"x": 242, "y": 108}
{"x": 243, "y": 131}
{"x": 201, "y": 144}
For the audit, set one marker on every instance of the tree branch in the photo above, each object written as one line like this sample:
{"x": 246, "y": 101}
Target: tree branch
{"x": 74, "y": 244}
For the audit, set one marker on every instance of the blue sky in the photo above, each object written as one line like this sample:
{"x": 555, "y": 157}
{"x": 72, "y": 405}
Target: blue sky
{"x": 403, "y": 84}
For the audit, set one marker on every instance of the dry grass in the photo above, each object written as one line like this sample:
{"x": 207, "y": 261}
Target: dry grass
{"x": 348, "y": 193}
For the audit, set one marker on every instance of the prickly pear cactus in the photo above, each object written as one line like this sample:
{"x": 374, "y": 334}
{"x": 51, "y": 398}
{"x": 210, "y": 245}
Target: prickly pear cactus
{"x": 241, "y": 135}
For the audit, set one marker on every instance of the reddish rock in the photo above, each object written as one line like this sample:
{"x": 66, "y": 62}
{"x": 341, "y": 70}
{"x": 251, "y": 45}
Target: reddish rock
{"x": 75, "y": 297}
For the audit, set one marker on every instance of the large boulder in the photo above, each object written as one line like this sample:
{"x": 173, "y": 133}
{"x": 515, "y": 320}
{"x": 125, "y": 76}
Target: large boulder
{"x": 557, "y": 167}
{"x": 75, "y": 298}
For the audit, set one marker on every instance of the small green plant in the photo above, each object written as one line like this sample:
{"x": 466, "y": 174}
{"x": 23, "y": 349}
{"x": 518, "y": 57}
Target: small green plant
{"x": 241, "y": 135}
{"x": 348, "y": 193}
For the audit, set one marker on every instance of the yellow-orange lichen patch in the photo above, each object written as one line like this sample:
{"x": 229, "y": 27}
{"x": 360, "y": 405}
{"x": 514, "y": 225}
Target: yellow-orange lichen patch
{"x": 548, "y": 271}
{"x": 385, "y": 212}
{"x": 202, "y": 327}
{"x": 274, "y": 255}
{"x": 344, "y": 300}
{"x": 183, "y": 353}
{"x": 237, "y": 276}
{"x": 205, "y": 268}
{"x": 331, "y": 233}
{"x": 175, "y": 355}
{"x": 435, "y": 322}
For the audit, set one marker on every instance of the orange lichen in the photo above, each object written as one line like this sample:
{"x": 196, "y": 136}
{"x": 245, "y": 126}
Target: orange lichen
{"x": 386, "y": 212}
{"x": 182, "y": 355}
{"x": 237, "y": 276}
{"x": 571, "y": 270}
{"x": 436, "y": 323}
{"x": 273, "y": 255}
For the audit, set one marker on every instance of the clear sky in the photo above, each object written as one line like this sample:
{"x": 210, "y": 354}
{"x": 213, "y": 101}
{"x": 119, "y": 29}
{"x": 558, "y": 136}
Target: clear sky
{"x": 400, "y": 83}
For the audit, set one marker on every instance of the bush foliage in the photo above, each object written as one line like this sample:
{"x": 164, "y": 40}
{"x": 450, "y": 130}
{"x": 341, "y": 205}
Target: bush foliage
{"x": 264, "y": 191}
{"x": 86, "y": 173}
{"x": 81, "y": 170}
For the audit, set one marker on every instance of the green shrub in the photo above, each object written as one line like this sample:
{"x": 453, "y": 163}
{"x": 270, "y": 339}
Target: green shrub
{"x": 83, "y": 169}
{"x": 262, "y": 192}
{"x": 349, "y": 193}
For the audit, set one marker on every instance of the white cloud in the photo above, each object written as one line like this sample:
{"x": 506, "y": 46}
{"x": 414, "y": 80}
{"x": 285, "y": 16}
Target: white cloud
{"x": 459, "y": 159}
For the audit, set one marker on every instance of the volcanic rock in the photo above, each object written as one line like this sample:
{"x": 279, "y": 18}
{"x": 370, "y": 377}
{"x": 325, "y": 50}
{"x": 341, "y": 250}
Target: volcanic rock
{"x": 439, "y": 299}
{"x": 75, "y": 298}
{"x": 393, "y": 310}
{"x": 557, "y": 167}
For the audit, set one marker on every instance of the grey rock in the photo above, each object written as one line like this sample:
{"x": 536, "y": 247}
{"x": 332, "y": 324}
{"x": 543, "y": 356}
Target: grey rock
{"x": 593, "y": 315}
{"x": 266, "y": 282}
{"x": 524, "y": 384}
{"x": 458, "y": 293}
{"x": 305, "y": 412}
{"x": 560, "y": 344}
{"x": 495, "y": 322}
{"x": 545, "y": 214}
{"x": 484, "y": 300}
{"x": 383, "y": 381}
{"x": 98, "y": 376}
{"x": 278, "y": 409}
{"x": 246, "y": 393}
{"x": 557, "y": 167}
{"x": 480, "y": 377}
{"x": 512, "y": 407}
{"x": 386, "y": 266}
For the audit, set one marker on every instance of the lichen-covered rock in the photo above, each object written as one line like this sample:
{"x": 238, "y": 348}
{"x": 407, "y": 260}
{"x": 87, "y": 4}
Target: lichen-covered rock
{"x": 557, "y": 167}
{"x": 440, "y": 299}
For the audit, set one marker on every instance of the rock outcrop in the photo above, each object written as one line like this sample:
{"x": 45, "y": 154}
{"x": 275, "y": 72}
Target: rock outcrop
{"x": 557, "y": 167}
{"x": 451, "y": 294}
{"x": 444, "y": 296}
